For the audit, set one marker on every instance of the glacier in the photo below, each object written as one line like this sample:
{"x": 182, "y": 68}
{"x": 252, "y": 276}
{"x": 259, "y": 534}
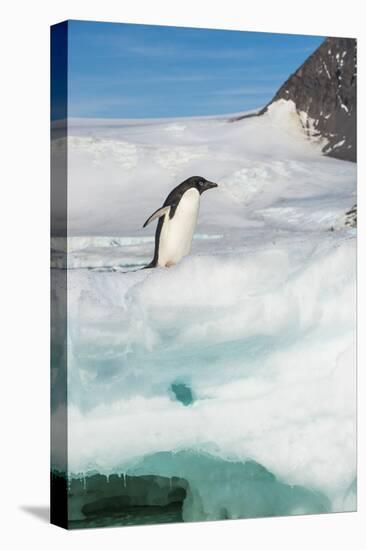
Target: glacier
{"x": 235, "y": 370}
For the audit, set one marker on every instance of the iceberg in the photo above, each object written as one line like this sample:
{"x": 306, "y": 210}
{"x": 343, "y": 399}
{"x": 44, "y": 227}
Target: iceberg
{"x": 235, "y": 371}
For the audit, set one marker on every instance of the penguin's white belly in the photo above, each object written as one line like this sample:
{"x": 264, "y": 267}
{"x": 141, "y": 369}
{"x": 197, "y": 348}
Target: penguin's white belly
{"x": 177, "y": 233}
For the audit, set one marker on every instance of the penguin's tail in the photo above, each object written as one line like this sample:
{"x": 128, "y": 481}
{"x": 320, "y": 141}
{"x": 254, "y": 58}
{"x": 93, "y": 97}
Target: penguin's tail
{"x": 149, "y": 266}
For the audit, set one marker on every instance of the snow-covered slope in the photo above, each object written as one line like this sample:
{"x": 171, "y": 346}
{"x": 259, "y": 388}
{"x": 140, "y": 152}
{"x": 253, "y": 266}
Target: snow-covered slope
{"x": 257, "y": 324}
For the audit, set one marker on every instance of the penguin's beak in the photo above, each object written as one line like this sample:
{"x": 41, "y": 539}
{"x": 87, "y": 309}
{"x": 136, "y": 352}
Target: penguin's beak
{"x": 208, "y": 185}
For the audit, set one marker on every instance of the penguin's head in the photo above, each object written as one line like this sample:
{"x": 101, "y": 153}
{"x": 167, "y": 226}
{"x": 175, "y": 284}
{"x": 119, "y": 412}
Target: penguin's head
{"x": 201, "y": 184}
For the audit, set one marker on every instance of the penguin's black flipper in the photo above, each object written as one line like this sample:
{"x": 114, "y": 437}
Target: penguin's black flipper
{"x": 157, "y": 214}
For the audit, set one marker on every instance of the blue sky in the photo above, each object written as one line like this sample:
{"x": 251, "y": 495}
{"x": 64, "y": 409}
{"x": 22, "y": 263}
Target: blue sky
{"x": 121, "y": 70}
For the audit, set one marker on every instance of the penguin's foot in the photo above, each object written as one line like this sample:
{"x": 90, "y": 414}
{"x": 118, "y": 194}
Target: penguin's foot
{"x": 169, "y": 264}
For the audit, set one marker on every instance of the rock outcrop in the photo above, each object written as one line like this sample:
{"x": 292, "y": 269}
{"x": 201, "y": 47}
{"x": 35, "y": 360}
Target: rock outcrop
{"x": 324, "y": 92}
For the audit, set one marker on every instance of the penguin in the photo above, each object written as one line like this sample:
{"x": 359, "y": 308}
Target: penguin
{"x": 177, "y": 221}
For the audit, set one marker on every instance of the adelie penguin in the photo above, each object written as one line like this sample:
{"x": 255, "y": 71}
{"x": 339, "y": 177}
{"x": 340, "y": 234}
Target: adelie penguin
{"x": 177, "y": 221}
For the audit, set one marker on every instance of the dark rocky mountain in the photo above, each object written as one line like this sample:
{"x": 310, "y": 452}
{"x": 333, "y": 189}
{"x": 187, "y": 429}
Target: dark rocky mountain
{"x": 324, "y": 92}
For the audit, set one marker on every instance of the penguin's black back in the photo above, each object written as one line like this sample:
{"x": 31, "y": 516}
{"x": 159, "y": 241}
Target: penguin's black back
{"x": 177, "y": 193}
{"x": 154, "y": 261}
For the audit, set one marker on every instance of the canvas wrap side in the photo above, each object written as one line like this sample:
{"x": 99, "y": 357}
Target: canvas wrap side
{"x": 59, "y": 70}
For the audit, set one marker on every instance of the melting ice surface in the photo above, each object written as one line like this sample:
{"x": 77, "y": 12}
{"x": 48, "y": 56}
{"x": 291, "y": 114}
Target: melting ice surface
{"x": 257, "y": 324}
